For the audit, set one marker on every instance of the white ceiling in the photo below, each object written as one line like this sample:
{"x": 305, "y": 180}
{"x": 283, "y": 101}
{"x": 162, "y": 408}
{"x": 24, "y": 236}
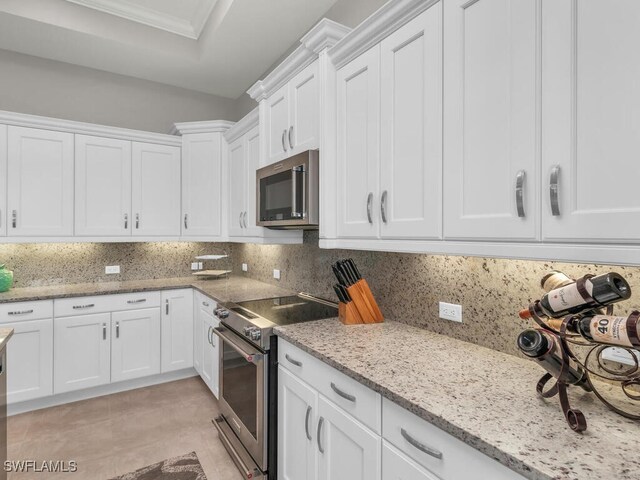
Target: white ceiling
{"x": 213, "y": 46}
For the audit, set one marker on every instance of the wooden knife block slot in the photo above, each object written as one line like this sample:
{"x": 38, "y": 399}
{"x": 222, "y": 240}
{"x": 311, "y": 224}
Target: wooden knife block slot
{"x": 363, "y": 307}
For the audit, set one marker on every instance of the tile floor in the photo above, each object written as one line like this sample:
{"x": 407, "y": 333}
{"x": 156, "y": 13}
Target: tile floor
{"x": 119, "y": 433}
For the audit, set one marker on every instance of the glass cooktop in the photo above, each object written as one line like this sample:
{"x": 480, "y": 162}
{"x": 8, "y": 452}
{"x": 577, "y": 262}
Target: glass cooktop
{"x": 288, "y": 310}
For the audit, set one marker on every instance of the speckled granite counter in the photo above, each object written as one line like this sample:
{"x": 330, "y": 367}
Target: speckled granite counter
{"x": 233, "y": 289}
{"x": 483, "y": 397}
{"x": 5, "y": 335}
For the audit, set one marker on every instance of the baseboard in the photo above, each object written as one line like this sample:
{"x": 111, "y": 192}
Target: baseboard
{"x": 61, "y": 399}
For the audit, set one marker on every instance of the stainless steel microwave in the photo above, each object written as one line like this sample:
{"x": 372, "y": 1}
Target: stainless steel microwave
{"x": 287, "y": 193}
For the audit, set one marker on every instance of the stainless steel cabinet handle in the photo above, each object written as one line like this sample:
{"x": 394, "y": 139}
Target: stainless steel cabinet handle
{"x": 209, "y": 335}
{"x": 240, "y": 219}
{"x": 21, "y": 312}
{"x": 126, "y": 221}
{"x": 344, "y": 395}
{"x": 290, "y": 135}
{"x": 369, "y": 207}
{"x": 206, "y": 304}
{"x": 104, "y": 331}
{"x": 185, "y": 221}
{"x": 420, "y": 446}
{"x": 291, "y": 360}
{"x": 320, "y": 422}
{"x": 133, "y": 302}
{"x": 244, "y": 219}
{"x": 117, "y": 329}
{"x": 520, "y": 178}
{"x": 284, "y": 145}
{"x": 554, "y": 180}
{"x": 306, "y": 422}
{"x": 137, "y": 221}
{"x": 167, "y": 307}
{"x": 80, "y": 307}
{"x": 383, "y": 206}
{"x": 14, "y": 218}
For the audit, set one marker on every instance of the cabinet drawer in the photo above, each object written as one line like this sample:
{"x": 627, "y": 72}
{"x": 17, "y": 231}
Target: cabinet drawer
{"x": 436, "y": 450}
{"x": 359, "y": 401}
{"x": 19, "y": 311}
{"x": 66, "y": 307}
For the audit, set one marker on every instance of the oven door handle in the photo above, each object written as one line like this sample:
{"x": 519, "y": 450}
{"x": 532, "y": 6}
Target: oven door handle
{"x": 250, "y": 356}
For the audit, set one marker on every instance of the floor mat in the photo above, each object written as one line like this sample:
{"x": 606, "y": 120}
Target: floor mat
{"x": 185, "y": 467}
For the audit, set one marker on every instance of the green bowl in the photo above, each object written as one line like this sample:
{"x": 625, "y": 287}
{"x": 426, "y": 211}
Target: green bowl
{"x": 6, "y": 279}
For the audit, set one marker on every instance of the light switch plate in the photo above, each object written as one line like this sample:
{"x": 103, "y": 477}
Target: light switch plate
{"x": 276, "y": 274}
{"x": 451, "y": 311}
{"x": 245, "y": 267}
{"x": 194, "y": 265}
{"x": 112, "y": 269}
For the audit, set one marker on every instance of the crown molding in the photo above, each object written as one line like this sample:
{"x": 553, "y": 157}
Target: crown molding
{"x": 47, "y": 123}
{"x": 242, "y": 126}
{"x": 323, "y": 35}
{"x": 387, "y": 19}
{"x": 212, "y": 126}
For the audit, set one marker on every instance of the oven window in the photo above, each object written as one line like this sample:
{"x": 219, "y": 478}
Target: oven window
{"x": 275, "y": 197}
{"x": 239, "y": 387}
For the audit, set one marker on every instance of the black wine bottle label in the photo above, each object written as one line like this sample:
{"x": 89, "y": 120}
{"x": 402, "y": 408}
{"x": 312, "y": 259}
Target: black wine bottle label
{"x": 568, "y": 297}
{"x": 609, "y": 329}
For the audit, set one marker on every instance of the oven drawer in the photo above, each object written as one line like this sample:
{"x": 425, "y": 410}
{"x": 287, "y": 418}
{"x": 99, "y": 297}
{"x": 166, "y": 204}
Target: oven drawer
{"x": 359, "y": 401}
{"x": 22, "y": 311}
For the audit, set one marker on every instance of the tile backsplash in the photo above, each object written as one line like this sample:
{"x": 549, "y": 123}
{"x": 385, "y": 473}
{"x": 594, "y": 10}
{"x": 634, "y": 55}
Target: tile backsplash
{"x": 408, "y": 287}
{"x": 54, "y": 263}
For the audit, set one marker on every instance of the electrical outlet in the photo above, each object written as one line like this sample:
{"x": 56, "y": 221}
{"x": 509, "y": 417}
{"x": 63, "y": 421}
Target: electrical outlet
{"x": 200, "y": 267}
{"x": 194, "y": 265}
{"x": 245, "y": 267}
{"x": 619, "y": 355}
{"x": 451, "y": 311}
{"x": 112, "y": 269}
{"x": 276, "y": 274}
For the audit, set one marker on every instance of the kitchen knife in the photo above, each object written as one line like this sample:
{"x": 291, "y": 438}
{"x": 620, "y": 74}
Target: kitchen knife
{"x": 352, "y": 273}
{"x": 339, "y": 293}
{"x": 345, "y": 293}
{"x": 355, "y": 269}
{"x": 345, "y": 274}
{"x": 339, "y": 275}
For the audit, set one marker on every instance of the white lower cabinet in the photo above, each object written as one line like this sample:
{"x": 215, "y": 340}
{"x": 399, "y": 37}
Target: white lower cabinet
{"x": 135, "y": 344}
{"x": 82, "y": 352}
{"x": 30, "y": 356}
{"x": 177, "y": 329}
{"x": 207, "y": 344}
{"x": 397, "y": 466}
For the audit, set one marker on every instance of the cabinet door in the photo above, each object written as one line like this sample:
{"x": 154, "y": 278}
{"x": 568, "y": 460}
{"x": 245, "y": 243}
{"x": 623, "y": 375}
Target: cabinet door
{"x": 82, "y": 353}
{"x": 30, "y": 358}
{"x": 252, "y": 162}
{"x": 490, "y": 128}
{"x": 203, "y": 312}
{"x": 277, "y": 118}
{"x": 4, "y": 218}
{"x": 201, "y": 184}
{"x": 358, "y": 128}
{"x": 411, "y": 129}
{"x": 297, "y": 414}
{"x": 135, "y": 344}
{"x": 210, "y": 354}
{"x": 304, "y": 110}
{"x": 40, "y": 182}
{"x": 177, "y": 329}
{"x": 397, "y": 466}
{"x": 156, "y": 190}
{"x": 103, "y": 186}
{"x": 591, "y": 120}
{"x": 237, "y": 187}
{"x": 347, "y": 448}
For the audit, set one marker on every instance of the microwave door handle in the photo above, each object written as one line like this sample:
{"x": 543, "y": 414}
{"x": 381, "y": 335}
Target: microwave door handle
{"x": 294, "y": 193}
{"x": 303, "y": 214}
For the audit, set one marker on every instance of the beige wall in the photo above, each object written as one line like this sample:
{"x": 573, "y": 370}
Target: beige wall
{"x": 45, "y": 87}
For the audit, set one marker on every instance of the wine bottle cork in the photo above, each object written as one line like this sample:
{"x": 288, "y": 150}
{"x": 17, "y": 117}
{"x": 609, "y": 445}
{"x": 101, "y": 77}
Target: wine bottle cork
{"x": 555, "y": 279}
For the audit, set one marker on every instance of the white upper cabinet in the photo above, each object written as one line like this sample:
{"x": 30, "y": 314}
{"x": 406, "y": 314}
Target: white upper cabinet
{"x": 202, "y": 185}
{"x": 358, "y": 155}
{"x": 40, "y": 185}
{"x": 3, "y": 180}
{"x": 156, "y": 190}
{"x": 411, "y": 129}
{"x": 252, "y": 150}
{"x": 590, "y": 121}
{"x": 238, "y": 187}
{"x": 292, "y": 116}
{"x": 490, "y": 119}
{"x": 102, "y": 186}
{"x": 304, "y": 110}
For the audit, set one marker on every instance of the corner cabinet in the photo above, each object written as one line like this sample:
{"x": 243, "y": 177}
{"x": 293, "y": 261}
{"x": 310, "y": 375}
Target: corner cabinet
{"x": 40, "y": 182}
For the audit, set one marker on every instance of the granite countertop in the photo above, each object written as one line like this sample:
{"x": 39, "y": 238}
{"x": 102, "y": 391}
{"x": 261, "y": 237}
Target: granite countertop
{"x": 5, "y": 335}
{"x": 233, "y": 289}
{"x": 481, "y": 396}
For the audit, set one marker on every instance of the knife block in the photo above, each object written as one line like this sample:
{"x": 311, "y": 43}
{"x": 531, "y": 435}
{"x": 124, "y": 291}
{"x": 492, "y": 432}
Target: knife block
{"x": 362, "y": 308}
{"x": 348, "y": 314}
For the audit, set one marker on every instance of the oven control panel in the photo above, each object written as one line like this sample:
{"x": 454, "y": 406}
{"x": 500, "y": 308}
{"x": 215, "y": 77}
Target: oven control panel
{"x": 252, "y": 333}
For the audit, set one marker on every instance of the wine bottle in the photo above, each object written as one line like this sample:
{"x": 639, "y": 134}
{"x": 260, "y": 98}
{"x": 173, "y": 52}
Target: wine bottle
{"x": 608, "y": 329}
{"x": 543, "y": 348}
{"x": 587, "y": 293}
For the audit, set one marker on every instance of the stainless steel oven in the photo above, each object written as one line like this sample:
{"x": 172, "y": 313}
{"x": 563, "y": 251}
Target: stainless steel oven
{"x": 287, "y": 193}
{"x": 243, "y": 398}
